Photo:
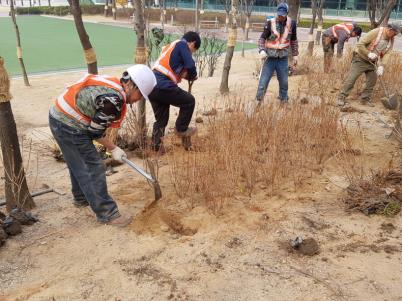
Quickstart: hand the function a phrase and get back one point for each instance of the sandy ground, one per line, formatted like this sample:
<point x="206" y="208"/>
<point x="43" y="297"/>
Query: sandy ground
<point x="239" y="254"/>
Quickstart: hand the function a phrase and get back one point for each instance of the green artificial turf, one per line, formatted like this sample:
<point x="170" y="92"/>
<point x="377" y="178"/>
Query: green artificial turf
<point x="52" y="44"/>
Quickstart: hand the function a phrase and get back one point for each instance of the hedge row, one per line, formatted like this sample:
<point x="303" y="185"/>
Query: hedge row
<point x="181" y="16"/>
<point x="59" y="10"/>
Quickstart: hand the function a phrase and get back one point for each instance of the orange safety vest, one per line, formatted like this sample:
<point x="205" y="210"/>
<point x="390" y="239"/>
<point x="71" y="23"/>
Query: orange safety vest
<point x="162" y="63"/>
<point x="348" y="27"/>
<point x="377" y="40"/>
<point x="67" y="101"/>
<point x="281" y="42"/>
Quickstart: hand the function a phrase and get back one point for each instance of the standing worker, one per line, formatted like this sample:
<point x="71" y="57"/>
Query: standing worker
<point x="174" y="64"/>
<point x="337" y="34"/>
<point x="82" y="114"/>
<point x="278" y="36"/>
<point x="369" y="57"/>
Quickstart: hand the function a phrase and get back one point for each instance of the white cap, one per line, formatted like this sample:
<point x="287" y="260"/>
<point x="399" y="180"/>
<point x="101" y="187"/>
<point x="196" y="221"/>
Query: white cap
<point x="143" y="77"/>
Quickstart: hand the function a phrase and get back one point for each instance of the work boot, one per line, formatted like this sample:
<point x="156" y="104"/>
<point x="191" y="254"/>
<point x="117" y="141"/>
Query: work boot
<point x="80" y="203"/>
<point x="366" y="102"/>
<point x="187" y="133"/>
<point x="121" y="221"/>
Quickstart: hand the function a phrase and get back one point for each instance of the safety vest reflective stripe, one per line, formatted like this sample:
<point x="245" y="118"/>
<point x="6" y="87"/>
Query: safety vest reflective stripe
<point x="348" y="27"/>
<point x="64" y="107"/>
<point x="280" y="42"/>
<point x="374" y="44"/>
<point x="162" y="63"/>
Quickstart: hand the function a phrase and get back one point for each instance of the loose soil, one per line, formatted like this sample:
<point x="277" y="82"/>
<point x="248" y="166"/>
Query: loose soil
<point x="178" y="249"/>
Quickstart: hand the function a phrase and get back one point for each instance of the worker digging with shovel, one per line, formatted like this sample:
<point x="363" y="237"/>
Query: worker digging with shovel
<point x="370" y="56"/>
<point x="174" y="64"/>
<point x="81" y="114"/>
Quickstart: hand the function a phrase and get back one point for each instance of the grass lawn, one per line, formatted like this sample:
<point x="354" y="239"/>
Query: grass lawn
<point x="52" y="44"/>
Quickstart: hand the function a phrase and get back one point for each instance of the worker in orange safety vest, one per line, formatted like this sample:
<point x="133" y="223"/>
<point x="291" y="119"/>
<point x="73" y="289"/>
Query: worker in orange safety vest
<point x="81" y="114"/>
<point x="338" y="34"/>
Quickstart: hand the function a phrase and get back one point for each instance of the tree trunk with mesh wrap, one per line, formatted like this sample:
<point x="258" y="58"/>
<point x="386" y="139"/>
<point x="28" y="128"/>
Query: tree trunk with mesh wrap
<point x="19" y="51"/>
<point x="16" y="188"/>
<point x="92" y="65"/>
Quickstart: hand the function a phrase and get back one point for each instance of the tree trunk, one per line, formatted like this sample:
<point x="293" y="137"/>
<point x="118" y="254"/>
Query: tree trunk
<point x="22" y="2"/>
<point x="106" y="8"/>
<point x="114" y="9"/>
<point x="227" y="21"/>
<point x="385" y="7"/>
<point x="19" y="48"/>
<point x="231" y="43"/>
<point x="89" y="52"/>
<point x="247" y="27"/>
<point x="310" y="46"/>
<point x="49" y="2"/>
<point x="320" y="22"/>
<point x="140" y="58"/>
<point x="16" y="188"/>
<point x="197" y="16"/>
<point x="294" y="6"/>
<point x="30" y="3"/>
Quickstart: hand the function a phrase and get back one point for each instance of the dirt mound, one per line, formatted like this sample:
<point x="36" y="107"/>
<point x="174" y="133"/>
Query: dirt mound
<point x="156" y="219"/>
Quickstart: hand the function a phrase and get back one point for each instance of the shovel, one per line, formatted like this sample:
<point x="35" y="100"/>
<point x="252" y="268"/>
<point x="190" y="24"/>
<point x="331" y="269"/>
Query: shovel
<point x="390" y="101"/>
<point x="151" y="178"/>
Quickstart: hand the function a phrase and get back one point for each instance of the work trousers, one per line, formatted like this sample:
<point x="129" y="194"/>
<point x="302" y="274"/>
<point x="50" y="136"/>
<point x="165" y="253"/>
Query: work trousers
<point x="161" y="100"/>
<point x="280" y="65"/>
<point x="87" y="171"/>
<point x="359" y="66"/>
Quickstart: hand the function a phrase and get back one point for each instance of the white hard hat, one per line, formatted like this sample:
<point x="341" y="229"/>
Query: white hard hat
<point x="143" y="77"/>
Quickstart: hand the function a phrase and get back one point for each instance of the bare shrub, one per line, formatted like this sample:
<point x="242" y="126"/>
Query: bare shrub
<point x="209" y="53"/>
<point x="273" y="147"/>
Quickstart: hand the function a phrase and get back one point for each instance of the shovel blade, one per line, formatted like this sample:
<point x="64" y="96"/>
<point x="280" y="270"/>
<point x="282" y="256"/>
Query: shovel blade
<point x="391" y="102"/>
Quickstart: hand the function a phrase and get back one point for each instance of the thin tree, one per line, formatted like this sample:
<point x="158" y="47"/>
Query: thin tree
<point x="320" y="22"/>
<point x="197" y="16"/>
<point x="162" y="13"/>
<point x="226" y="6"/>
<point x="231" y="43"/>
<point x="247" y="8"/>
<point x="16" y="188"/>
<point x="89" y="52"/>
<point x="106" y="8"/>
<point x="310" y="47"/>
<point x="380" y="11"/>
<point x="114" y="12"/>
<point x="48" y="1"/>
<point x="294" y="8"/>
<point x="19" y="48"/>
<point x="140" y="58"/>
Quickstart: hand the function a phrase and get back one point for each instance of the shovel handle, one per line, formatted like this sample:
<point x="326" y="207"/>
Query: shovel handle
<point x="138" y="169"/>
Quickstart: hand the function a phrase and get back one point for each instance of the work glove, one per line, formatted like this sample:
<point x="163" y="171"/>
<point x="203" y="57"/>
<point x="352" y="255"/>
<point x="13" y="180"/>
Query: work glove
<point x="380" y="70"/>
<point x="372" y="56"/>
<point x="262" y="54"/>
<point x="118" y="154"/>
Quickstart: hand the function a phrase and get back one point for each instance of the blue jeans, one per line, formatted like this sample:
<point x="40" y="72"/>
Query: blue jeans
<point x="280" y="65"/>
<point x="87" y="171"/>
